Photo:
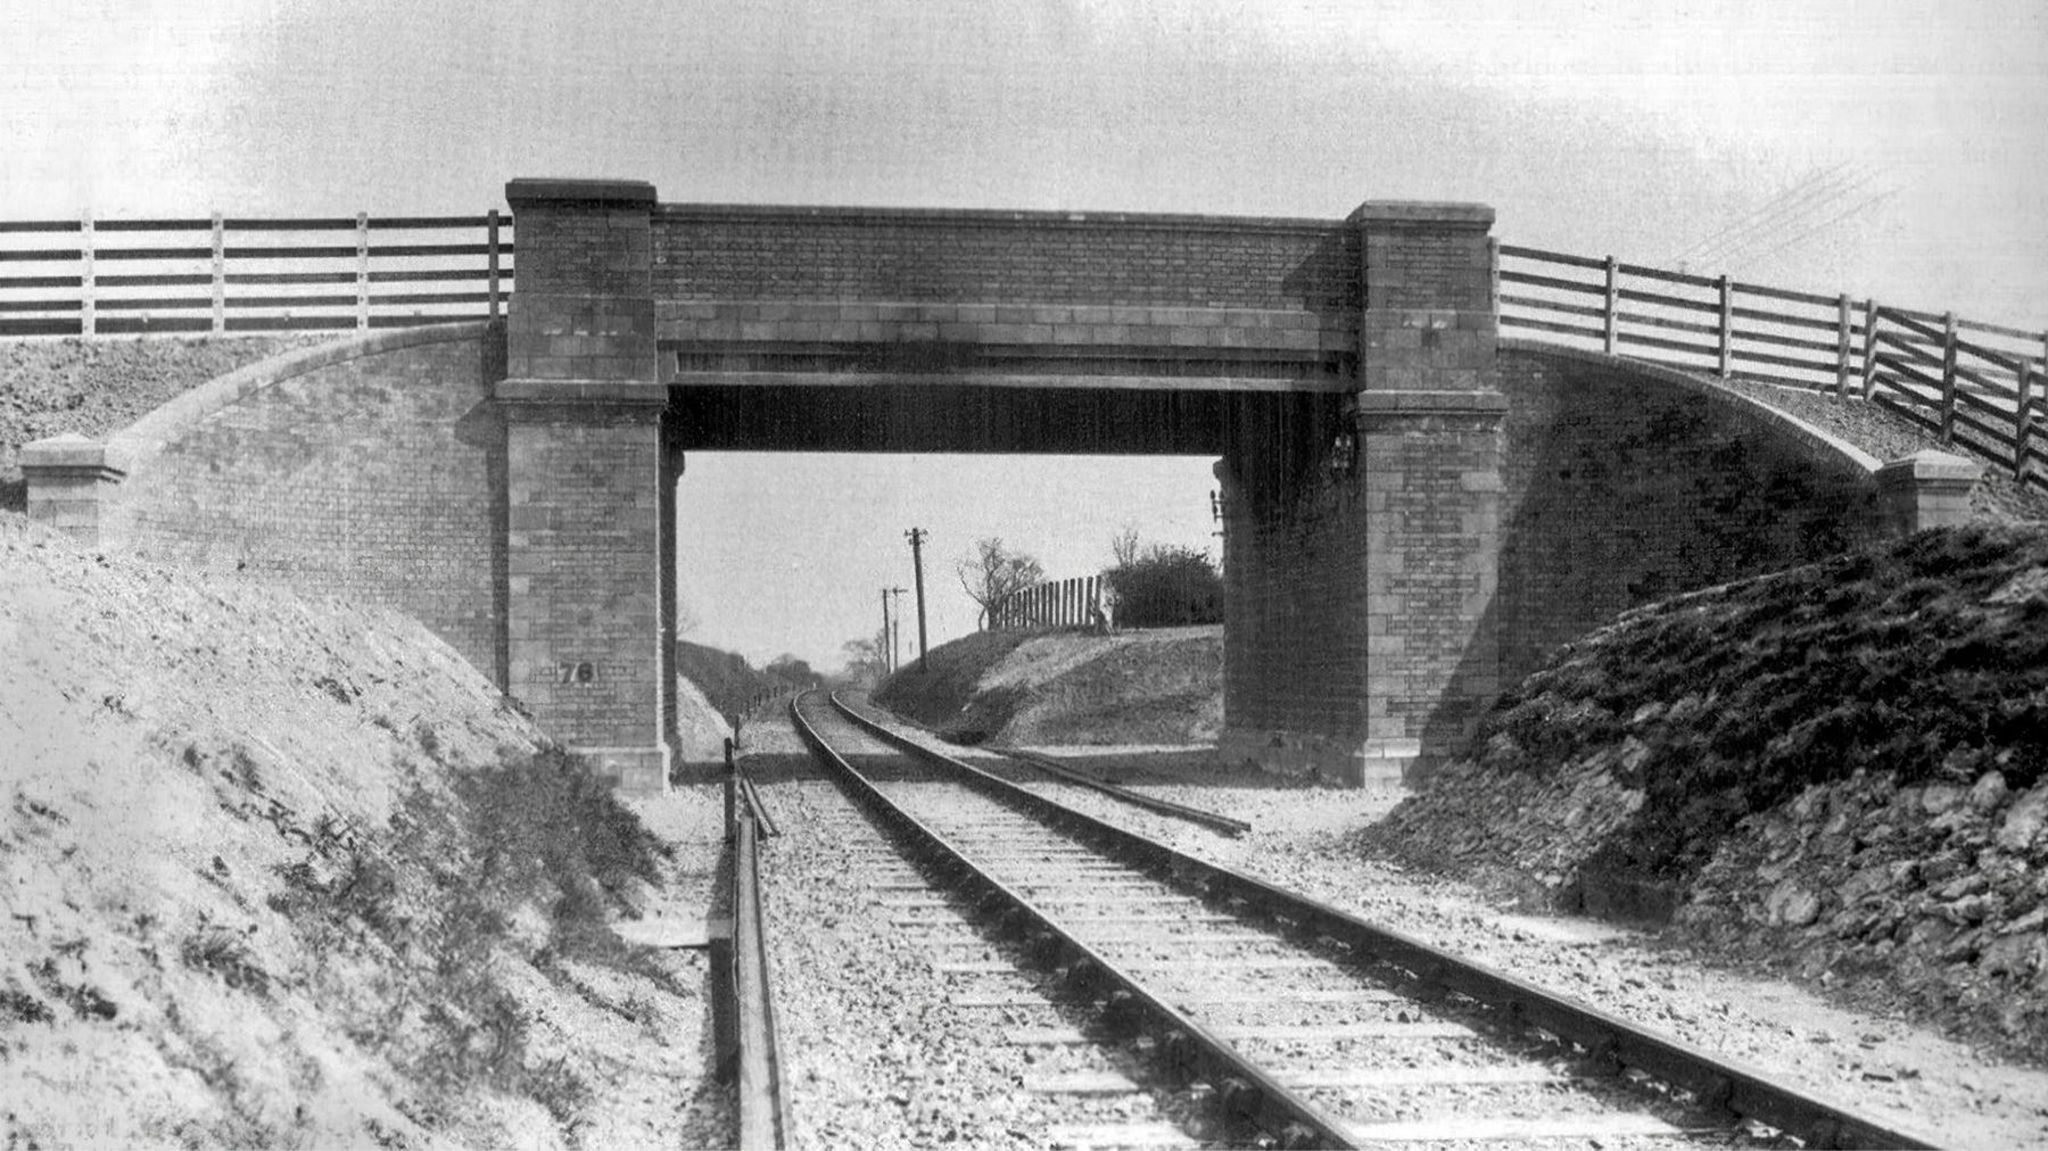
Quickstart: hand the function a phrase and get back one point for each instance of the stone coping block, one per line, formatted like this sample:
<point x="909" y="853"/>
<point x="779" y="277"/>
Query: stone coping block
<point x="1423" y="214"/>
<point x="68" y="452"/>
<point x="1930" y="468"/>
<point x="530" y="190"/>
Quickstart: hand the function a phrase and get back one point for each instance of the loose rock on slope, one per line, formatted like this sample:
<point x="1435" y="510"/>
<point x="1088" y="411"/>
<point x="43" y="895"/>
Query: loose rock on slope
<point x="1841" y="766"/>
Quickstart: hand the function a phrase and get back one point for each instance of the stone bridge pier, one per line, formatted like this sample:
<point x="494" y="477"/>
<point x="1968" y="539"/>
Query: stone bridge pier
<point x="590" y="478"/>
<point x="1361" y="564"/>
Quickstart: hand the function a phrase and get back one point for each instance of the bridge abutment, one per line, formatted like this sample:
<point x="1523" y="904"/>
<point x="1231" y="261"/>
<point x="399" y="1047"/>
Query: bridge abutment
<point x="589" y="478"/>
<point x="1360" y="635"/>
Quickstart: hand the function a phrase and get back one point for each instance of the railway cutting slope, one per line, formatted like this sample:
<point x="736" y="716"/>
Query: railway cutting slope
<point x="1839" y="770"/>
<point x="279" y="872"/>
<point x="1161" y="686"/>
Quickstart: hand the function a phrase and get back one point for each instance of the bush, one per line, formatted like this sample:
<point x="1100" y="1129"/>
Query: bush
<point x="1168" y="586"/>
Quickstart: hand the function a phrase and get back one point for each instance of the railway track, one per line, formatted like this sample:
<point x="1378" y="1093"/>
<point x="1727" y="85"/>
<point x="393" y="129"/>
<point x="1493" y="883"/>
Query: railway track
<point x="1161" y="1001"/>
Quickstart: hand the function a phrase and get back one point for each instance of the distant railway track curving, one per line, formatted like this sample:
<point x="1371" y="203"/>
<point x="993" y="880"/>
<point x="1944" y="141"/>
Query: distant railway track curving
<point x="1255" y="1016"/>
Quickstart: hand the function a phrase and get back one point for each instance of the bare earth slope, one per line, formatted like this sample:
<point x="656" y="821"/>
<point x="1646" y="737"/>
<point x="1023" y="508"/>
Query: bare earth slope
<point x="287" y="873"/>
<point x="1162" y="686"/>
<point x="1843" y="767"/>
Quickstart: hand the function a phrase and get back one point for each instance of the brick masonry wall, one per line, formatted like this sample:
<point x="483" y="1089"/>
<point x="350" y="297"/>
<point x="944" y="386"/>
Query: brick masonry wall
<point x="1622" y="487"/>
<point x="710" y="254"/>
<point x="1074" y="327"/>
<point x="585" y="573"/>
<point x="583" y="309"/>
<point x="1429" y="322"/>
<point x="377" y="478"/>
<point x="1432" y="501"/>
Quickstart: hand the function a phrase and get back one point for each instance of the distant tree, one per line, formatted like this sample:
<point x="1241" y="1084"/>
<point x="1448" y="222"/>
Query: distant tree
<point x="793" y="671"/>
<point x="994" y="573"/>
<point x="867" y="661"/>
<point x="1168" y="586"/>
<point x="1123" y="547"/>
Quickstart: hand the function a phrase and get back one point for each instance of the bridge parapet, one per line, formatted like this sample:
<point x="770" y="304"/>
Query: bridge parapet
<point x="755" y="295"/>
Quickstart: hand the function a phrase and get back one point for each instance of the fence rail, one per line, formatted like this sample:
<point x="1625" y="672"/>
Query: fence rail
<point x="1975" y="385"/>
<point x="92" y="277"/>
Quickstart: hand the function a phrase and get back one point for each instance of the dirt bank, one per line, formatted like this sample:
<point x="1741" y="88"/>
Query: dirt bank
<point x="281" y="873"/>
<point x="1162" y="686"/>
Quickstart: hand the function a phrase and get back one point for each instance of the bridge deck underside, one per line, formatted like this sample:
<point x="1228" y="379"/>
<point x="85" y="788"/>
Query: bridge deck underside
<point x="953" y="416"/>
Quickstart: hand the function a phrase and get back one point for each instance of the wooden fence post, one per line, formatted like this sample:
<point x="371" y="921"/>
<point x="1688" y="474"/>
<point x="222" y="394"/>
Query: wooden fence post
<point x="88" y="318"/>
<point x="362" y="271"/>
<point x="1727" y="328"/>
<point x="220" y="274"/>
<point x="494" y="262"/>
<point x="1948" y="378"/>
<point x="1869" y="346"/>
<point x="2023" y="422"/>
<point x="1611" y="321"/>
<point x="1841" y="346"/>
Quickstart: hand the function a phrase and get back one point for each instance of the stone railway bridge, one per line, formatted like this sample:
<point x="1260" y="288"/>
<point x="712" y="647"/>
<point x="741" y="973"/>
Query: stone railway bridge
<point x="1415" y="509"/>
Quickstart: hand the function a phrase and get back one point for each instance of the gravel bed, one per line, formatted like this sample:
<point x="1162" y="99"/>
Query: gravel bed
<point x="1877" y="1065"/>
<point x="875" y="1054"/>
<point x="1196" y="969"/>
<point x="881" y="1049"/>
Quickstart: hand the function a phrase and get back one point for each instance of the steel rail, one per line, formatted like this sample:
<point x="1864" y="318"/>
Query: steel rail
<point x="1715" y="1081"/>
<point x="762" y="1101"/>
<point x="1189" y="1051"/>
<point x="1210" y="819"/>
<point x="759" y="809"/>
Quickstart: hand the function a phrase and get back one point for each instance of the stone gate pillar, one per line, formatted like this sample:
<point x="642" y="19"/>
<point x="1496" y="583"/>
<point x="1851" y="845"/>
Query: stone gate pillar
<point x="1429" y="414"/>
<point x="585" y="466"/>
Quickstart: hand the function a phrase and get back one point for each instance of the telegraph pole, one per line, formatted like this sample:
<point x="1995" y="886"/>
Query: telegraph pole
<point x="887" y="654"/>
<point x="916" y="536"/>
<point x="897" y="632"/>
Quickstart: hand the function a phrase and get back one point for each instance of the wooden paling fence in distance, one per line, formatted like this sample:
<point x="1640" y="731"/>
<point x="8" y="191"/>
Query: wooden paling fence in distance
<point x="1977" y="386"/>
<point x="1054" y="603"/>
<point x="91" y="277"/>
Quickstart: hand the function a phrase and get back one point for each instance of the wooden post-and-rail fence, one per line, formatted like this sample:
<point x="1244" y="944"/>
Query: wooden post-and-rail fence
<point x="1054" y="603"/>
<point x="1976" y="386"/>
<point x="90" y="277"/>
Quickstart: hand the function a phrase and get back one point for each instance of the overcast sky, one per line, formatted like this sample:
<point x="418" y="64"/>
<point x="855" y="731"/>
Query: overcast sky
<point x="1873" y="147"/>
